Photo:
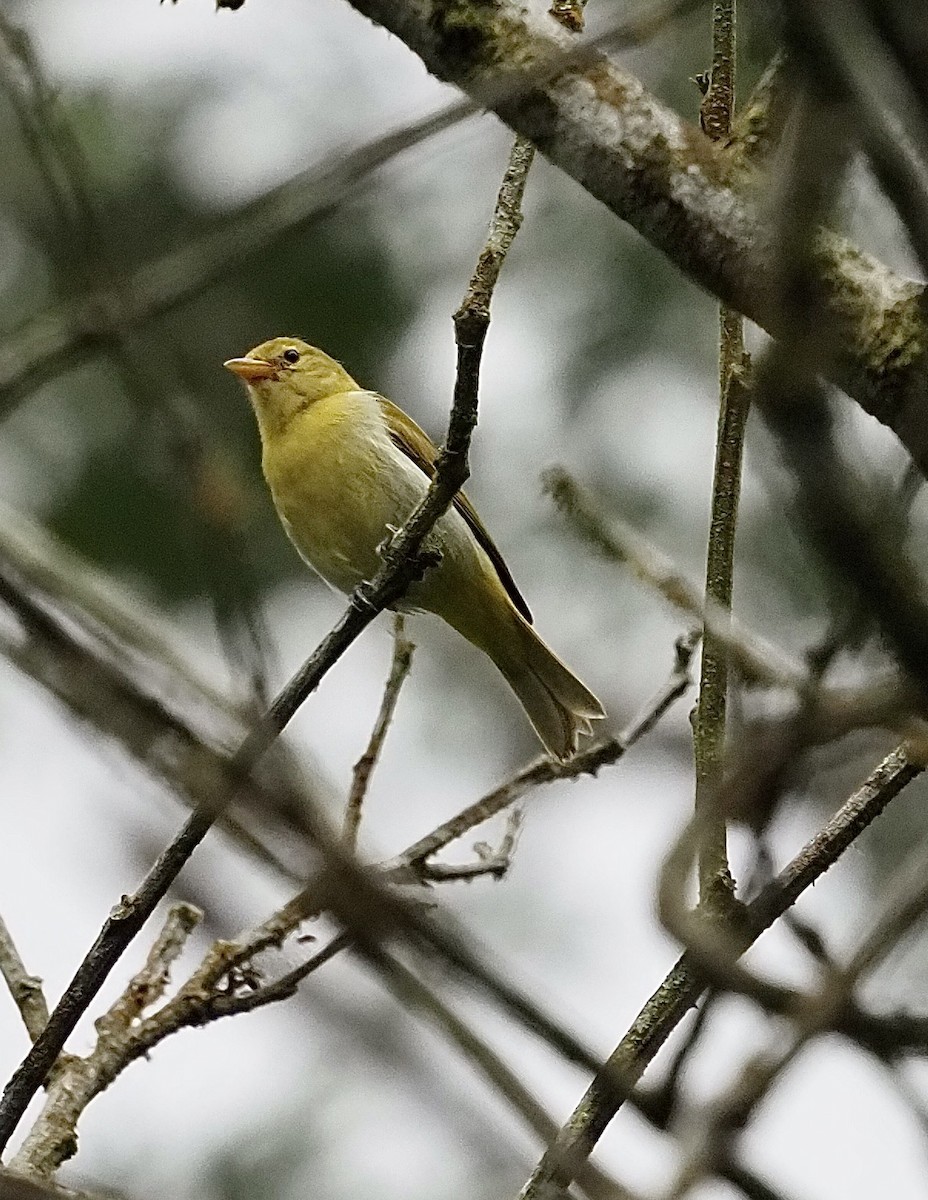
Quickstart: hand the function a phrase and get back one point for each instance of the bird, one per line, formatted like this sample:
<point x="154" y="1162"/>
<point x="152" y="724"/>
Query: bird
<point x="345" y="468"/>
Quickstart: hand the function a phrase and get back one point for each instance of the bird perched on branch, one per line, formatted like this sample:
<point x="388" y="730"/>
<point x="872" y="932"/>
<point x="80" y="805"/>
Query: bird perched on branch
<point x="345" y="466"/>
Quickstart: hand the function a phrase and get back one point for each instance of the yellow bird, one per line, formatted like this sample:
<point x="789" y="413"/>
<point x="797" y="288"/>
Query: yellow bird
<point x="344" y="467"/>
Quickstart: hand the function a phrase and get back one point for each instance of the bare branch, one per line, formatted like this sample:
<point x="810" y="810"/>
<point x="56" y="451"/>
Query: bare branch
<point x="25" y="989"/>
<point x="399" y="669"/>
<point x="685" y="983"/>
<point x="756" y="659"/>
<point x="546" y="770"/>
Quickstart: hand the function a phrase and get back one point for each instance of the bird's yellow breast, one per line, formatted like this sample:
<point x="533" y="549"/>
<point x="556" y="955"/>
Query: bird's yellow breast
<point x="340" y="485"/>
<point x="338" y="482"/>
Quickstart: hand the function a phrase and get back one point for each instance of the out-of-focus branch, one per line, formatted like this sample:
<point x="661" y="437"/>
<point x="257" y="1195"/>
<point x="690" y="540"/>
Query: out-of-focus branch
<point x="816" y="1014"/>
<point x="601" y="126"/>
<point x="45" y="346"/>
<point x="228" y="982"/>
<point x="25" y="989"/>
<point x="17" y="1187"/>
<point x="886" y="701"/>
<point x="756" y="659"/>
<point x="685" y="983"/>
<point x="429" y="1006"/>
<point x="834" y="38"/>
<point x="105" y="656"/>
<point x="758" y="124"/>
<point x="80" y="250"/>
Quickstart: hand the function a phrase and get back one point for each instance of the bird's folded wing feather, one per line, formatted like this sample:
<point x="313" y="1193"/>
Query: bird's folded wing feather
<point x="416" y="444"/>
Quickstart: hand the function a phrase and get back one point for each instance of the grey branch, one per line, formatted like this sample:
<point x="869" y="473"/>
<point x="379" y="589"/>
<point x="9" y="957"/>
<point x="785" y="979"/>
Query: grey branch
<point x="25" y="989"/>
<point x="363" y="768"/>
<point x="405" y="558"/>
<point x="684" y="984"/>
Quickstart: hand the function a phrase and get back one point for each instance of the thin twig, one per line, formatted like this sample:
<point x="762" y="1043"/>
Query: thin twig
<point x="363" y="768"/>
<point x="25" y="989"/>
<point x="488" y="861"/>
<point x="755" y="659"/>
<point x="716" y="886"/>
<point x="546" y="770"/>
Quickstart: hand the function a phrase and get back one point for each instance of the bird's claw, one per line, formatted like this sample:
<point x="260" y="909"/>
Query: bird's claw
<point x="387" y="542"/>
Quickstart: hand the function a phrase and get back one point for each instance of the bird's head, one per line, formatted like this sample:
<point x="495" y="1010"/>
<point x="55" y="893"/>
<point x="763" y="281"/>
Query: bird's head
<point x="284" y="376"/>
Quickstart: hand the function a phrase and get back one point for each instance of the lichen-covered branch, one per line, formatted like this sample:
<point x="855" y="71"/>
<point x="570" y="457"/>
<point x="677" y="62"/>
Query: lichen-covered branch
<point x="662" y="175"/>
<point x="363" y="768"/>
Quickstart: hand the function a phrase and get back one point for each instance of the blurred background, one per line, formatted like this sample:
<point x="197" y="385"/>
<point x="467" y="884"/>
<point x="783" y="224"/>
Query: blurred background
<point x="142" y="459"/>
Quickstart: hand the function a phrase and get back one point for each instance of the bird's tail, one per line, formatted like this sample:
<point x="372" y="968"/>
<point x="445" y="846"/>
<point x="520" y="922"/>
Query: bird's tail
<point x="558" y="705"/>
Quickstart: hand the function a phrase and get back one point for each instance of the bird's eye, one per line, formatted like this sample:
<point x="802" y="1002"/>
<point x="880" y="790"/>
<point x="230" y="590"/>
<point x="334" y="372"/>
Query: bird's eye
<point x="292" y="355"/>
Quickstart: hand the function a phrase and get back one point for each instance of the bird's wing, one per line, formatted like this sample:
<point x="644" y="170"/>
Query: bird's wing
<point x="416" y="444"/>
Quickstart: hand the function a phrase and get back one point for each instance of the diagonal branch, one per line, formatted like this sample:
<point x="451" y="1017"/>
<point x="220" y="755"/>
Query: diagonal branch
<point x="25" y="989"/>
<point x="663" y="176"/>
<point x="404" y="559"/>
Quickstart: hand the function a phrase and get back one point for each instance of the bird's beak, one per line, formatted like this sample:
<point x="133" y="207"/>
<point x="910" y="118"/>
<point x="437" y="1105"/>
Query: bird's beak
<point x="250" y="369"/>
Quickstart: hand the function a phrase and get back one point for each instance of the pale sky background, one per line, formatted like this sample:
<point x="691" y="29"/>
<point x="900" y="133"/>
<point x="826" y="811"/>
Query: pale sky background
<point x="388" y="1109"/>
